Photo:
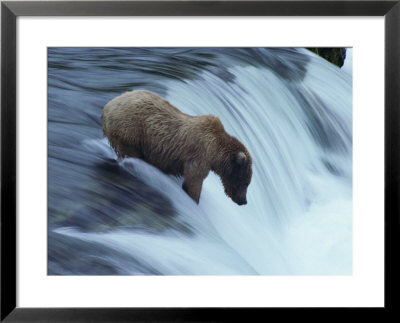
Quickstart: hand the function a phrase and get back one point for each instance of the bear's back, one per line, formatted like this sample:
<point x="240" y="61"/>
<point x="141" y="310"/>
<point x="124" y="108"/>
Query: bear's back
<point x="140" y="104"/>
<point x="141" y="111"/>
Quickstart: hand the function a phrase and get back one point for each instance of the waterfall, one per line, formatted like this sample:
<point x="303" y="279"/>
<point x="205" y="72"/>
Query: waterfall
<point x="289" y="107"/>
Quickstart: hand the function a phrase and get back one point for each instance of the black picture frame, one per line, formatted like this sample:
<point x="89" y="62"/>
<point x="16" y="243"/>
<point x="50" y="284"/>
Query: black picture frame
<point x="10" y="10"/>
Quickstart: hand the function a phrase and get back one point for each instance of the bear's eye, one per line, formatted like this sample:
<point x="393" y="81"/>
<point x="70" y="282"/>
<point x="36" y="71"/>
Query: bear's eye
<point x="244" y="185"/>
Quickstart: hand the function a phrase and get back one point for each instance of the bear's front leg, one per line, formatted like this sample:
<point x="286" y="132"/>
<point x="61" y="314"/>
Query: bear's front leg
<point x="193" y="182"/>
<point x="193" y="188"/>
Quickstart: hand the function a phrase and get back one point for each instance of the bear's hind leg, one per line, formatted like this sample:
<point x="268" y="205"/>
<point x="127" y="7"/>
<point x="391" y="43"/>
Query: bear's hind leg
<point x="124" y="150"/>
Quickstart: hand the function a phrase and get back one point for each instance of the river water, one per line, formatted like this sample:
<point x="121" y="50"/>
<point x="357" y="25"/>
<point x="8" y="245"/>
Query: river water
<point x="292" y="110"/>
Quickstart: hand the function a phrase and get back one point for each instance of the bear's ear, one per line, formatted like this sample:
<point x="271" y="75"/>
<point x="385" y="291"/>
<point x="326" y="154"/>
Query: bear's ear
<point x="241" y="158"/>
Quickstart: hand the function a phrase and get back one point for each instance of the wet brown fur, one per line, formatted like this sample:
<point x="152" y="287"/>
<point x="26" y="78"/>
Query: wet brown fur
<point x="143" y="125"/>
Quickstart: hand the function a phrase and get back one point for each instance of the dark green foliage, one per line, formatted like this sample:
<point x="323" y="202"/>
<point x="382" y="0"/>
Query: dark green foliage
<point x="334" y="55"/>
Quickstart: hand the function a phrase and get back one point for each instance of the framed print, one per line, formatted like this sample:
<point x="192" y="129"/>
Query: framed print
<point x="197" y="161"/>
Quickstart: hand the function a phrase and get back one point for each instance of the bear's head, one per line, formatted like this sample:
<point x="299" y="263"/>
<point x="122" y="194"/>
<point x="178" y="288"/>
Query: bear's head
<point x="237" y="176"/>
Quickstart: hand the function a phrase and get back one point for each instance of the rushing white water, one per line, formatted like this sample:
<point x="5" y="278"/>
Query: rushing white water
<point x="298" y="220"/>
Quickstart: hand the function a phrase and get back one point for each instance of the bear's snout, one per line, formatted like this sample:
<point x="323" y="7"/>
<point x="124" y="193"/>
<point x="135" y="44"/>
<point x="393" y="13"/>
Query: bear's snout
<point x="240" y="201"/>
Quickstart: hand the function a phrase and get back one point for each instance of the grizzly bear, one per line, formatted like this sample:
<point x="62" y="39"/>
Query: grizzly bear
<point x="143" y="125"/>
